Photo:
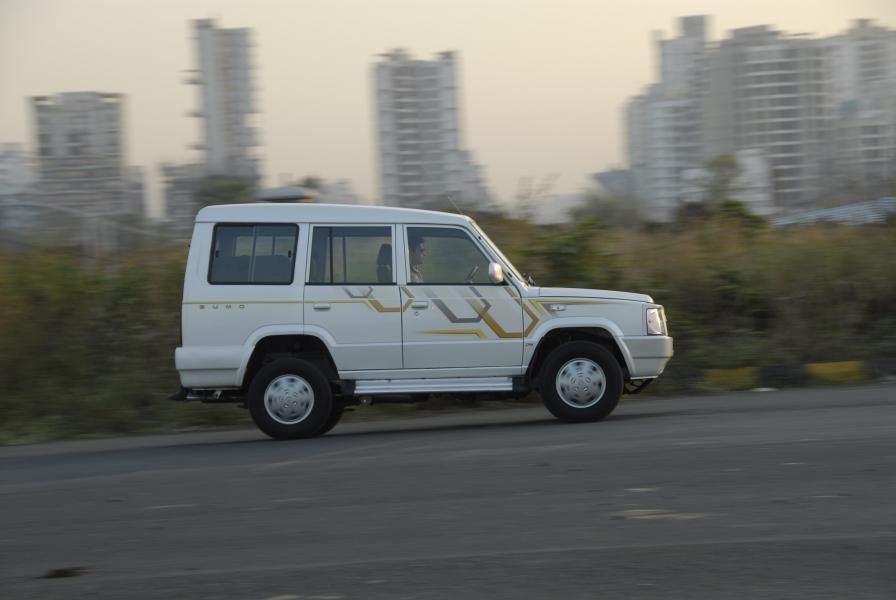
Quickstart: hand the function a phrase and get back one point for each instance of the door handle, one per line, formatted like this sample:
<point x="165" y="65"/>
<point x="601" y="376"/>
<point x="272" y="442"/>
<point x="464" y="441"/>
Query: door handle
<point x="420" y="304"/>
<point x="321" y="307"/>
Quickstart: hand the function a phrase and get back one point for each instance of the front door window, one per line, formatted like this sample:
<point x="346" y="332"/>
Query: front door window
<point x="444" y="256"/>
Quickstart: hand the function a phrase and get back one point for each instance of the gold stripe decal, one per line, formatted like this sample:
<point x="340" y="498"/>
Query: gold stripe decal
<point x="378" y="307"/>
<point x="534" y="320"/>
<point x="571" y="301"/>
<point x="371" y="302"/>
<point x="410" y="298"/>
<point x="477" y="332"/>
<point x="482" y="311"/>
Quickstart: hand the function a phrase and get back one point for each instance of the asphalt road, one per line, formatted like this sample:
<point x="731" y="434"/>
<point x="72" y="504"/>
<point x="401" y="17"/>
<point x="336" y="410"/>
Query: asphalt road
<point x="754" y="495"/>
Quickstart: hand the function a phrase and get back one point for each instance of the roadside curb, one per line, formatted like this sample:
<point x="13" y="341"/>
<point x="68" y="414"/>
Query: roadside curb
<point x="816" y="373"/>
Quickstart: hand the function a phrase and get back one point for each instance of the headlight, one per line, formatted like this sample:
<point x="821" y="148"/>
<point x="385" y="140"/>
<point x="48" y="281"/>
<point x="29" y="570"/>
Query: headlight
<point x="656" y="321"/>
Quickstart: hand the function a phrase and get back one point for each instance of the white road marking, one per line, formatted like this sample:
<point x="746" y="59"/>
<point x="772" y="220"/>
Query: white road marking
<point x="360" y="451"/>
<point x="641" y="490"/>
<point x="793" y="464"/>
<point x="652" y="514"/>
<point x="169" y="506"/>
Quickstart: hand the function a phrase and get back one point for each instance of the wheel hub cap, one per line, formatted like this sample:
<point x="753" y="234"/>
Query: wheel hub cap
<point x="581" y="383"/>
<point x="289" y="399"/>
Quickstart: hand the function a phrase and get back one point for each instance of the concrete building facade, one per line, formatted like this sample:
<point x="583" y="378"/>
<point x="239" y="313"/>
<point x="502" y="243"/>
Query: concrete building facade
<point x="80" y="144"/>
<point x="226" y="100"/>
<point x="81" y="175"/>
<point x="422" y="161"/>
<point x="863" y="61"/>
<point x="180" y="188"/>
<point x="663" y="124"/>
<point x="16" y="169"/>
<point x="821" y="112"/>
<point x="16" y="186"/>
<point x="782" y="106"/>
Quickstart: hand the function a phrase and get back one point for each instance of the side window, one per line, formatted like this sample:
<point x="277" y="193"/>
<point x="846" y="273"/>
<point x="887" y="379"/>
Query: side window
<point x="355" y="255"/>
<point x="253" y="254"/>
<point x="444" y="255"/>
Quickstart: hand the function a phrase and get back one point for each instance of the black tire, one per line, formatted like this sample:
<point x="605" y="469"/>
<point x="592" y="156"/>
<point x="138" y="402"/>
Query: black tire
<point x="335" y="416"/>
<point x="279" y="399"/>
<point x="592" y="380"/>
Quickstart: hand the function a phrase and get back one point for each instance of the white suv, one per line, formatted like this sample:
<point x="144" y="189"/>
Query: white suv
<point x="297" y="310"/>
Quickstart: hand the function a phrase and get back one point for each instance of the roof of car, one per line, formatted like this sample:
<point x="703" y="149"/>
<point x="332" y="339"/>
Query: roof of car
<point x="322" y="213"/>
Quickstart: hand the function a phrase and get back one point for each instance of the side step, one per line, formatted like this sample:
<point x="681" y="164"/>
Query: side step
<point x="372" y="387"/>
<point x="209" y="396"/>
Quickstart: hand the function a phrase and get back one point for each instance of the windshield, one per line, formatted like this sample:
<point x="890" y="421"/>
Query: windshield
<point x="494" y="248"/>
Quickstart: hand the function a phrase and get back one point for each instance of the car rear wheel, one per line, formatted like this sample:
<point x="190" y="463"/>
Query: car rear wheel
<point x="290" y="398"/>
<point x="581" y="382"/>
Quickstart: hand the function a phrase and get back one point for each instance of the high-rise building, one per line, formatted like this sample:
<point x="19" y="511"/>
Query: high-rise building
<point x="16" y="173"/>
<point x="79" y="139"/>
<point x="135" y="191"/>
<point x="863" y="63"/>
<point x="224" y="77"/>
<point x="758" y="90"/>
<point x="663" y="131"/>
<point x="782" y="106"/>
<point x="180" y="186"/>
<point x="422" y="161"/>
<point x="16" y="182"/>
<point x="80" y="144"/>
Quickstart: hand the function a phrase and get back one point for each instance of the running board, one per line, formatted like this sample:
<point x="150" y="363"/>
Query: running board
<point x="370" y="387"/>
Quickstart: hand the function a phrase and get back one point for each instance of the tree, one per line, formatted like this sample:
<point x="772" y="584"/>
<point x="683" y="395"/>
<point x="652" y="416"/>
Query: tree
<point x="611" y="210"/>
<point x="735" y="211"/>
<point x="723" y="171"/>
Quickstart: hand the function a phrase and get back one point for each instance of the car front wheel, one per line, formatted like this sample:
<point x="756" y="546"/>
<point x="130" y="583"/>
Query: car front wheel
<point x="581" y="382"/>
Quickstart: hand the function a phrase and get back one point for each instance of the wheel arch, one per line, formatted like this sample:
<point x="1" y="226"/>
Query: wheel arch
<point x="281" y="345"/>
<point x="557" y="337"/>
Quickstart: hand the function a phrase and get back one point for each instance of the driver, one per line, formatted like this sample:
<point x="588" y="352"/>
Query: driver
<point x="418" y="254"/>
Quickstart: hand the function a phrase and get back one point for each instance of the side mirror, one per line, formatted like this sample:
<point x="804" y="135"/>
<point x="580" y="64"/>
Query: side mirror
<point x="495" y="273"/>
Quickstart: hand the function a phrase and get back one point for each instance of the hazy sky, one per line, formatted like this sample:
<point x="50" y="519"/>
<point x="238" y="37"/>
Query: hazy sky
<point x="543" y="82"/>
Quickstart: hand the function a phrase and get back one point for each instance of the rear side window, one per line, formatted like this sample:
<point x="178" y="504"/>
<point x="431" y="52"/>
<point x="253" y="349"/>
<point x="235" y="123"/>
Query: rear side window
<point x="253" y="254"/>
<point x="355" y="255"/>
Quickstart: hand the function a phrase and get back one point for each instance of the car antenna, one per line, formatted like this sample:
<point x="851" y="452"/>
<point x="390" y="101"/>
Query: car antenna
<point x="451" y="200"/>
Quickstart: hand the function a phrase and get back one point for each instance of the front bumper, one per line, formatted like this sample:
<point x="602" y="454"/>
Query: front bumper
<point x="649" y="354"/>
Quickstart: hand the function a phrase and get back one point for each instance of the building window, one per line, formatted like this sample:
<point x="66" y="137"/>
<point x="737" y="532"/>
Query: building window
<point x="253" y="254"/>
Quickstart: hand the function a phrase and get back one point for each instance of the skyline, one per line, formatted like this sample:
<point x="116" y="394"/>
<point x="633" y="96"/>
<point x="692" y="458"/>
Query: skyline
<point x="556" y="73"/>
